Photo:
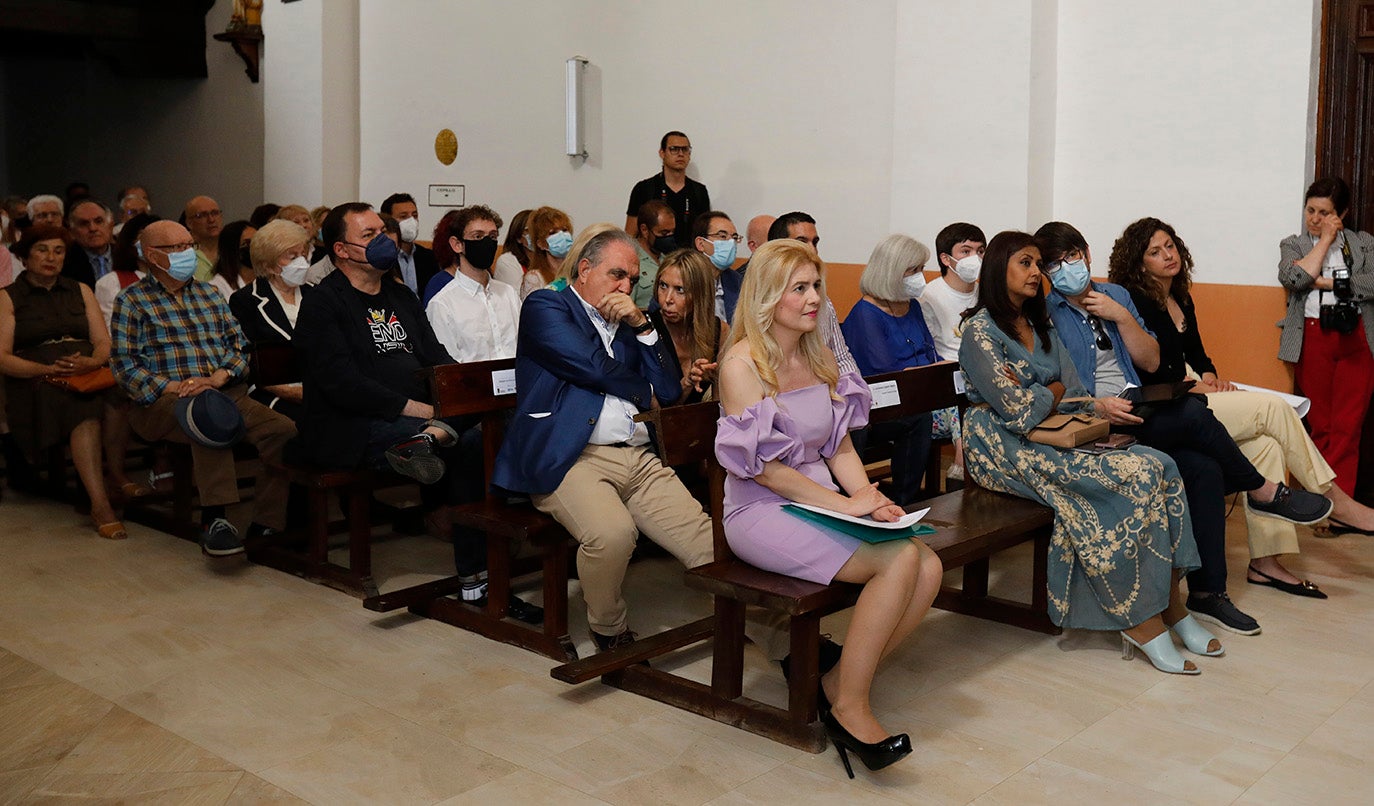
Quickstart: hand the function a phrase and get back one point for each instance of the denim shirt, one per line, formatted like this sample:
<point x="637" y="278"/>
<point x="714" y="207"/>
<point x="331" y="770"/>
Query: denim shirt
<point x="1080" y="341"/>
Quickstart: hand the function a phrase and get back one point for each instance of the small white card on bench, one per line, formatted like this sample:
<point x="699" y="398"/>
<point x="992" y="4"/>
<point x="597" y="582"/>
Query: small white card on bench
<point x="503" y="382"/>
<point x="884" y="394"/>
<point x="959" y="386"/>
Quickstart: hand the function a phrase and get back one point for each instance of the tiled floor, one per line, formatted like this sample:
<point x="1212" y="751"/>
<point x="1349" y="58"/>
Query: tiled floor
<point x="138" y="671"/>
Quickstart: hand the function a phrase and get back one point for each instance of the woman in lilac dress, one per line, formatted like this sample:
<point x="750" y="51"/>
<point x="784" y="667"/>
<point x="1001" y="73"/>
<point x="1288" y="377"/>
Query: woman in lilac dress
<point x="784" y="437"/>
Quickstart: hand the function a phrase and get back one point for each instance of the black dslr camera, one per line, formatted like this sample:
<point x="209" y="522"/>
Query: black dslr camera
<point x="1343" y="315"/>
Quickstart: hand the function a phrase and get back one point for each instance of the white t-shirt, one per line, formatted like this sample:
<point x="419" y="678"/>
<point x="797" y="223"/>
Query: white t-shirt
<point x="106" y="289"/>
<point x="1334" y="260"/>
<point x="942" y="307"/>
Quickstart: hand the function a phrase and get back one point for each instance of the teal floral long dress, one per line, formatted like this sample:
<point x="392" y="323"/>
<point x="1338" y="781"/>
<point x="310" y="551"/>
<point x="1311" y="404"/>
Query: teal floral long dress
<point x="1120" y="519"/>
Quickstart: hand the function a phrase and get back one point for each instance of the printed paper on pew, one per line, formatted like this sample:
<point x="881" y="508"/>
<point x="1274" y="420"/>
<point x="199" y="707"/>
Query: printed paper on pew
<point x="503" y="382"/>
<point x="901" y="523"/>
<point x="884" y="394"/>
<point x="1299" y="404"/>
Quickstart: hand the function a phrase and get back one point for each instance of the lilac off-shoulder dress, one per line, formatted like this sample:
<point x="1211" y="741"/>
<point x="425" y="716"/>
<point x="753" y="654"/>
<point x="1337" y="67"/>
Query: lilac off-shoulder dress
<point x="801" y="428"/>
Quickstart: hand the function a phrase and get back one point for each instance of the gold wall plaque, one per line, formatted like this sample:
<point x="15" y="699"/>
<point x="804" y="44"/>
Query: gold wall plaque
<point x="446" y="146"/>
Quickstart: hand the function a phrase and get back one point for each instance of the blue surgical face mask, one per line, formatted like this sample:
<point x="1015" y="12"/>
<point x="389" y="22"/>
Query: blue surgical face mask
<point x="723" y="253"/>
<point x="1071" y="278"/>
<point x="180" y="265"/>
<point x="382" y="253"/>
<point x="560" y="243"/>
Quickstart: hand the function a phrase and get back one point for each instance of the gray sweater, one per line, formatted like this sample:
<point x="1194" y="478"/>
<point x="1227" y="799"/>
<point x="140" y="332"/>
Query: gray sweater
<point x="1299" y="285"/>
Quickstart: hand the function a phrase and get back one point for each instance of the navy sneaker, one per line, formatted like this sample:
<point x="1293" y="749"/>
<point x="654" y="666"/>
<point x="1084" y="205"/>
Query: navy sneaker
<point x="1295" y="506"/>
<point x="220" y="539"/>
<point x="414" y="458"/>
<point x="1218" y="609"/>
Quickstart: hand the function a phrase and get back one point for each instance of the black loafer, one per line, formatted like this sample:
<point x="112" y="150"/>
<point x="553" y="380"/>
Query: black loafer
<point x="1303" y="588"/>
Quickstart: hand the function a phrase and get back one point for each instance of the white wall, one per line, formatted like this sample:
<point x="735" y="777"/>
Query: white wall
<point x="900" y="115"/>
<point x="1194" y="113"/>
<point x="72" y="119"/>
<point x="789" y="105"/>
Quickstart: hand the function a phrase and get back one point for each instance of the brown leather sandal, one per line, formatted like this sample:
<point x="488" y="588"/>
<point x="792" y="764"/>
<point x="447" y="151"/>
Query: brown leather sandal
<point x="113" y="530"/>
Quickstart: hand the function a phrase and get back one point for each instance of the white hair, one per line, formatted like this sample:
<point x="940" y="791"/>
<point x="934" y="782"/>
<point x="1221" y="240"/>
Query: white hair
<point x="46" y="198"/>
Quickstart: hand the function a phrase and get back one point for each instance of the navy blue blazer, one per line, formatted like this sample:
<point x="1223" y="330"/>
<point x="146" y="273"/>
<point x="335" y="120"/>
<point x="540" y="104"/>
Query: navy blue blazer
<point x="562" y="375"/>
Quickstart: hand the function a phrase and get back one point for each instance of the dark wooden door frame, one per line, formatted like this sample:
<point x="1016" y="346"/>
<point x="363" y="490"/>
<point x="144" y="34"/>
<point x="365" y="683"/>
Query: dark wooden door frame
<point x="1345" y="106"/>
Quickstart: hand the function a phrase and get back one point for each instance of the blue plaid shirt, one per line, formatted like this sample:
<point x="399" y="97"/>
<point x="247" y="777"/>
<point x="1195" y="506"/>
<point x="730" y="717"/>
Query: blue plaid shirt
<point x="159" y="337"/>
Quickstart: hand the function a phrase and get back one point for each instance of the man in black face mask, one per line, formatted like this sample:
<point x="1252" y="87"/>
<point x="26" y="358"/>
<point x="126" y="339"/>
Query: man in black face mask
<point x="361" y="337"/>
<point x="655" y="236"/>
<point x="475" y="317"/>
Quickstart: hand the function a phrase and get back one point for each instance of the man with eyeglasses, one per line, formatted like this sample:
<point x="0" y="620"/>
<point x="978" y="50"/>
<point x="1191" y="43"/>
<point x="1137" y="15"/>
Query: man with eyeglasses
<point x="91" y="224"/>
<point x="688" y="197"/>
<point x="173" y="337"/>
<point x="204" y="219"/>
<point x="656" y="235"/>
<point x="714" y="236"/>
<point x="46" y="209"/>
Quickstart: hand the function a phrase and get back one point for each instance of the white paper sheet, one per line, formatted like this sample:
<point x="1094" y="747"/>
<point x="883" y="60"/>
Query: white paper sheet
<point x="1299" y="404"/>
<point x="902" y="523"/>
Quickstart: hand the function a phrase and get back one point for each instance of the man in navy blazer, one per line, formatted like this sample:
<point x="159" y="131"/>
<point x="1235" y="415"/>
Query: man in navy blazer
<point x="587" y="361"/>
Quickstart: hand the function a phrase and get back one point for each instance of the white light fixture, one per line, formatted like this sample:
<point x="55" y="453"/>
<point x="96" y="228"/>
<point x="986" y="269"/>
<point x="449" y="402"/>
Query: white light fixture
<point x="572" y="94"/>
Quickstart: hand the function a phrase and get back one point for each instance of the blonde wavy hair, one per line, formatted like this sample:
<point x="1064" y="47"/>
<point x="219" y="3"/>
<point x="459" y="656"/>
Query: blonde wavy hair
<point x="770" y="273"/>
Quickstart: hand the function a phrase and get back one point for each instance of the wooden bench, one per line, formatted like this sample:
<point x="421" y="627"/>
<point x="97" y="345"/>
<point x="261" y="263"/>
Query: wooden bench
<point x="468" y="389"/>
<point x="973" y="524"/>
<point x="275" y="364"/>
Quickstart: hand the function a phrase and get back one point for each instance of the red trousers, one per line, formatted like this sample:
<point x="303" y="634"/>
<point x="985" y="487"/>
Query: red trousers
<point x="1336" y="371"/>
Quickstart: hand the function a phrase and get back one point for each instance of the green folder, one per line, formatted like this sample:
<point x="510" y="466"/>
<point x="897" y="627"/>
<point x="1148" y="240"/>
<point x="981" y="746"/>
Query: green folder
<point x="868" y="534"/>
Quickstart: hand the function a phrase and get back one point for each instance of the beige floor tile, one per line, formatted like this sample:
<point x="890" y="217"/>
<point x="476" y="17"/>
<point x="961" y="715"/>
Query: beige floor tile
<point x="172" y="788"/>
<point x="15" y="785"/>
<point x="407" y="764"/>
<point x="945" y="766"/>
<point x="1046" y="783"/>
<point x="1148" y="746"/>
<point x="653" y="761"/>
<point x="16" y="672"/>
<point x="253" y="715"/>
<point x="532" y="720"/>
<point x="41" y="724"/>
<point x="520" y="787"/>
<point x="1215" y="702"/>
<point x="799" y="787"/>
<point x="991" y="704"/>
<point x="122" y="742"/>
<point x="253" y="791"/>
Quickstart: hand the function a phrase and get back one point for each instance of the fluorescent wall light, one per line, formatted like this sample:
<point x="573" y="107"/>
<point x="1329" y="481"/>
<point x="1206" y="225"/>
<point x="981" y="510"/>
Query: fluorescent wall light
<point x="574" y="145"/>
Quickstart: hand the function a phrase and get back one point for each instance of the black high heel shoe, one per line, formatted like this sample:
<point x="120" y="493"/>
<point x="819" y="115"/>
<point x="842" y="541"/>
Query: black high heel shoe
<point x="875" y="756"/>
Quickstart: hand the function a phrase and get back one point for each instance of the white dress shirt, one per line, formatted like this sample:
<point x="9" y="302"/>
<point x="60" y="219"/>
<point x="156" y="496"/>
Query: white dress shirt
<point x="617" y="421"/>
<point x="475" y="322"/>
<point x="106" y="289"/>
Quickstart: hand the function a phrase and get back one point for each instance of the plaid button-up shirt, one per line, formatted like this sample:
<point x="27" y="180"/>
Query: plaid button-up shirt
<point x="159" y="337"/>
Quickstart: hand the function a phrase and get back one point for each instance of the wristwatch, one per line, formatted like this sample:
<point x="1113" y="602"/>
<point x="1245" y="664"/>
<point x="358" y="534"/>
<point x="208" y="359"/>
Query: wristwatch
<point x="647" y="325"/>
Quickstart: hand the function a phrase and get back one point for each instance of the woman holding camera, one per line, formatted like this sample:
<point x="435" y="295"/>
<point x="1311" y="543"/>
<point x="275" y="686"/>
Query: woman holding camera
<point x="1329" y="334"/>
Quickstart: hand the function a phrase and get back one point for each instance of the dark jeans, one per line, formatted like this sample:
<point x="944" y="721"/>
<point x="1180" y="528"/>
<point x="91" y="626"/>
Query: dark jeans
<point x="910" y="438"/>
<point x="463" y="480"/>
<point x="1212" y="468"/>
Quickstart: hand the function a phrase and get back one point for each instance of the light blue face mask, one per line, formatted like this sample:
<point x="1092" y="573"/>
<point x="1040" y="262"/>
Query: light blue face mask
<point x="180" y="265"/>
<point x="1071" y="278"/>
<point x="723" y="253"/>
<point x="559" y="243"/>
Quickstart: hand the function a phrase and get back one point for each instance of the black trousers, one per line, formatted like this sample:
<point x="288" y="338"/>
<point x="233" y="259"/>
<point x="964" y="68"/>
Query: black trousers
<point x="910" y="438"/>
<point x="1212" y="468"/>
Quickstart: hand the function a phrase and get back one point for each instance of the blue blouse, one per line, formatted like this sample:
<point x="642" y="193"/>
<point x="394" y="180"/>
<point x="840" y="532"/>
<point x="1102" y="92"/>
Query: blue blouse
<point x="883" y="343"/>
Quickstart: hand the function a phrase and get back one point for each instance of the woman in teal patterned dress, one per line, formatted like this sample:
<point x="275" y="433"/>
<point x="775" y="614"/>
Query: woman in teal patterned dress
<point x="1121" y="536"/>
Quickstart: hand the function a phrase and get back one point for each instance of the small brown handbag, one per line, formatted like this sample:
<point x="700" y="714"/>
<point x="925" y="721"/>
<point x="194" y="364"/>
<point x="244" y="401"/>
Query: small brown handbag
<point x="1069" y="430"/>
<point x="97" y="380"/>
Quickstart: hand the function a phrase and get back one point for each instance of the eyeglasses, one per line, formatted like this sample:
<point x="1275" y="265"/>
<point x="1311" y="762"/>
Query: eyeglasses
<point x="679" y="149"/>
<point x="1104" y="342"/>
<point x="174" y="247"/>
<point x="206" y="214"/>
<point x="1069" y="257"/>
<point x="481" y="236"/>
<point x="722" y="235"/>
